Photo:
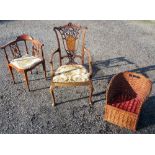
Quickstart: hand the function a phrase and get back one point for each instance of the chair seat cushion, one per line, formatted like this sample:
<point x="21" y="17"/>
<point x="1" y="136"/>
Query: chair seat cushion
<point x="25" y="62"/>
<point x="71" y="73"/>
<point x="131" y="105"/>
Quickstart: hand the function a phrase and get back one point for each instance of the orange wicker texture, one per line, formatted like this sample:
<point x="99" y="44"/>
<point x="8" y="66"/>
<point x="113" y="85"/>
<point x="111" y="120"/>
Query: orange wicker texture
<point x="125" y="96"/>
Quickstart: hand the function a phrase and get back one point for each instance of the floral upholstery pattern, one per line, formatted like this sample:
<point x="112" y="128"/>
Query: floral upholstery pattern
<point x="71" y="73"/>
<point x="25" y="62"/>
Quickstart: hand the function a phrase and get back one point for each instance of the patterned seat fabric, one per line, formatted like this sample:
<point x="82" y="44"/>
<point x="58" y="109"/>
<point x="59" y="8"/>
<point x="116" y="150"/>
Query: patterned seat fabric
<point x="71" y="73"/>
<point x="25" y="62"/>
<point x="131" y="105"/>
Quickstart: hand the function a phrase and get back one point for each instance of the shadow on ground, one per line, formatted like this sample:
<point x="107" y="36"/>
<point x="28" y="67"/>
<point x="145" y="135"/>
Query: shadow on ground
<point x="85" y="97"/>
<point x="144" y="70"/>
<point x="116" y="62"/>
<point x="5" y="21"/>
<point x="147" y="116"/>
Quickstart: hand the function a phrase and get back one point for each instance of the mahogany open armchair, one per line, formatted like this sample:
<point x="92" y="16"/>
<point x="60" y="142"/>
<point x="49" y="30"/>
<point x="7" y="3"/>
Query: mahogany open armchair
<point x="72" y="73"/>
<point x="18" y="55"/>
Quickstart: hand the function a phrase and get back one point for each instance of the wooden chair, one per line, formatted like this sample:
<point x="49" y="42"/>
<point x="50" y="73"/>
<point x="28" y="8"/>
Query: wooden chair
<point x="72" y="73"/>
<point x="20" y="58"/>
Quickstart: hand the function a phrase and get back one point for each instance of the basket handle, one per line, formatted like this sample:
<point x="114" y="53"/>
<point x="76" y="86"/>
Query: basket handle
<point x="134" y="76"/>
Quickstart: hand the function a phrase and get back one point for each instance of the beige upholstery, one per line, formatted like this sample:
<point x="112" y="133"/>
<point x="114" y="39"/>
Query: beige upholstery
<point x="25" y="62"/>
<point x="71" y="73"/>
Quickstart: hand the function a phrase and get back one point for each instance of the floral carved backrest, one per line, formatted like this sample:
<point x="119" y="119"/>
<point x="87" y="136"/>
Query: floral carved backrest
<point x="70" y="35"/>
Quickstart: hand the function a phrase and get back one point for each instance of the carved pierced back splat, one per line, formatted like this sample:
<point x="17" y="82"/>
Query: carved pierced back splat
<point x="15" y="50"/>
<point x="36" y="45"/>
<point x="37" y="49"/>
<point x="70" y="35"/>
<point x="25" y="38"/>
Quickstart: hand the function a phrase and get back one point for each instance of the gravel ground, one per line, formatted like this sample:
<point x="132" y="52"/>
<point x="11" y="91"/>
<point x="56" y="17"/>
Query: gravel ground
<point x="115" y="46"/>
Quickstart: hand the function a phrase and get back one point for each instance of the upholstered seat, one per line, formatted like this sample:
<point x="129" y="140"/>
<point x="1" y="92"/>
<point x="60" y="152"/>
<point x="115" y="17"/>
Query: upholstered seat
<point x="25" y="62"/>
<point x="71" y="73"/>
<point x="130" y="105"/>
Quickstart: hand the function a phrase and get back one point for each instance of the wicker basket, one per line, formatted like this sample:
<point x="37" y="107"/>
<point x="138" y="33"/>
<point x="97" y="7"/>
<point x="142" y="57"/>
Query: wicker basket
<point x="125" y="96"/>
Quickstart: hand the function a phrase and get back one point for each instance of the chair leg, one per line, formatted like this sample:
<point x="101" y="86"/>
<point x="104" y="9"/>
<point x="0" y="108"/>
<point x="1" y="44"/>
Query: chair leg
<point x="10" y="69"/>
<point x="44" y="69"/>
<point x="26" y="80"/>
<point x="36" y="70"/>
<point x="52" y="95"/>
<point x="91" y="92"/>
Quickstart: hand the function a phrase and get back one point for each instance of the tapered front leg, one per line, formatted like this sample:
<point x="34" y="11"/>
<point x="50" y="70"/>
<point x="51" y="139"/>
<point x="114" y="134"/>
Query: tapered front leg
<point x="26" y="80"/>
<point x="11" y="71"/>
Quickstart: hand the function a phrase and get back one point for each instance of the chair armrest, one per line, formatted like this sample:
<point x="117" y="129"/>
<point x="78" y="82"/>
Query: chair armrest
<point x="51" y="61"/>
<point x="89" y="61"/>
<point x="4" y="46"/>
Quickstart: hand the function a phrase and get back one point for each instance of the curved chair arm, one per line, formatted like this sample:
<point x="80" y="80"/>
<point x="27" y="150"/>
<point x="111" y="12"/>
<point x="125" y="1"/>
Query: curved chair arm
<point x="5" y="52"/>
<point x="4" y="46"/>
<point x="51" y="61"/>
<point x="89" y="61"/>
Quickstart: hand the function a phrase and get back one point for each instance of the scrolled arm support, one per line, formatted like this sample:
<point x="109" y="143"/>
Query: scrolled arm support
<point x="52" y="57"/>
